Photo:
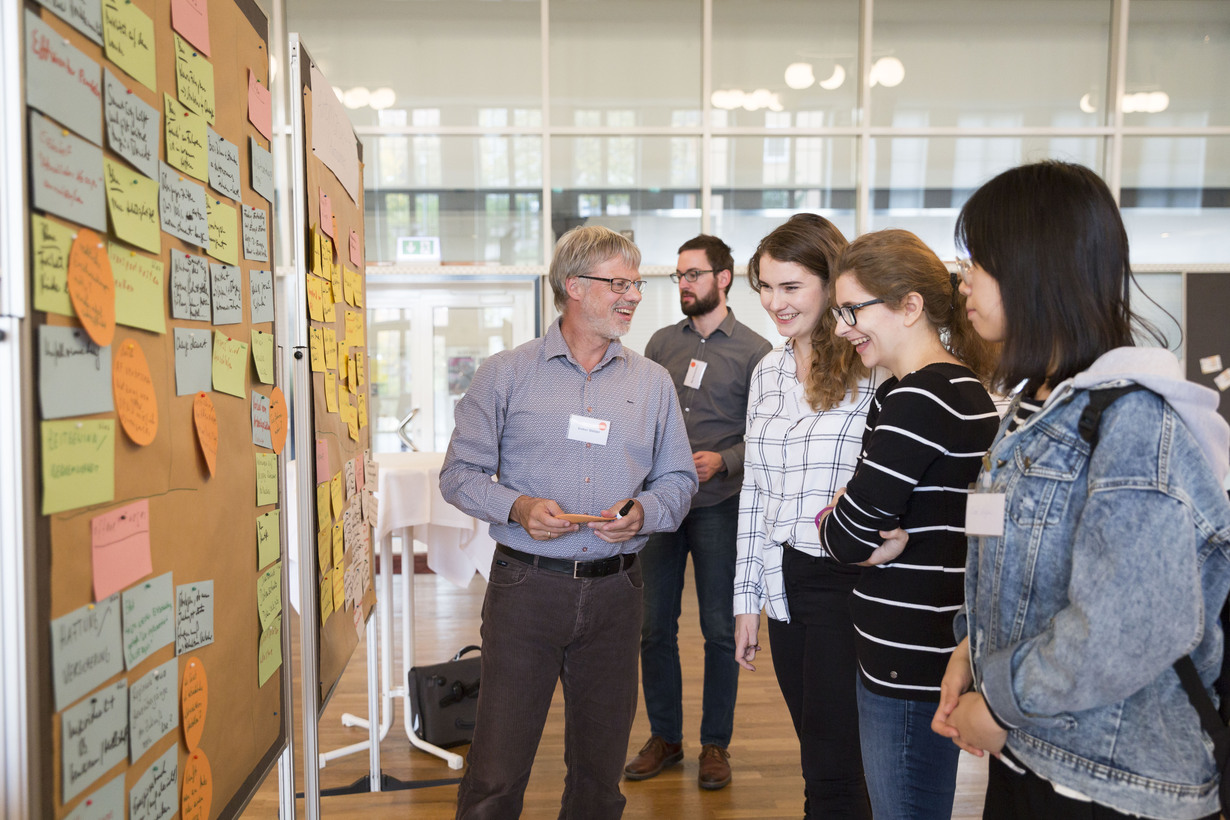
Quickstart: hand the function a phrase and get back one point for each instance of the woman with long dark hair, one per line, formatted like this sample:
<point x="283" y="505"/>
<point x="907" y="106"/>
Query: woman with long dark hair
<point x="1099" y="526"/>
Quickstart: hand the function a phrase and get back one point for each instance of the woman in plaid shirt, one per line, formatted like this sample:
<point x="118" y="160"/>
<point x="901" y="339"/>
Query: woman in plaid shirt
<point x="807" y="407"/>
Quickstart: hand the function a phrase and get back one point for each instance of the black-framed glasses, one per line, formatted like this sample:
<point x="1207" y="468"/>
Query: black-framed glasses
<point x="848" y="313"/>
<point x="691" y="275"/>
<point x="618" y="285"/>
<point x="965" y="269"/>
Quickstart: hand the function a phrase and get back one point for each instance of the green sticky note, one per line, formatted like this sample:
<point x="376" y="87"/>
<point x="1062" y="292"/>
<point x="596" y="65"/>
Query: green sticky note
<point x="140" y="289"/>
<point x="223" y="231"/>
<point x="230" y="364"/>
<point x="50" y="243"/>
<point x="132" y="202"/>
<point x="262" y="355"/>
<point x="78" y="463"/>
<point x="266" y="479"/>
<point x="269" y="594"/>
<point x="268" y="538"/>
<point x="269" y="652"/>
<point x="128" y="34"/>
<point x="187" y="140"/>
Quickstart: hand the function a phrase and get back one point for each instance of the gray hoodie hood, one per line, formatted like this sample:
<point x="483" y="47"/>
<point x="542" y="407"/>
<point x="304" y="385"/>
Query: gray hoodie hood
<point x="1158" y="370"/>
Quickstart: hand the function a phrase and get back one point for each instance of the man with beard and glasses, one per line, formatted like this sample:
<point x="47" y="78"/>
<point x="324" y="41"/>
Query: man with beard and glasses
<point x="710" y="357"/>
<point x="572" y="423"/>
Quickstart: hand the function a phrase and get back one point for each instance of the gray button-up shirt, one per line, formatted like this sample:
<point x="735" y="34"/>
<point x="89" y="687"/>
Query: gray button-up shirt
<point x="716" y="412"/>
<point x="513" y="423"/>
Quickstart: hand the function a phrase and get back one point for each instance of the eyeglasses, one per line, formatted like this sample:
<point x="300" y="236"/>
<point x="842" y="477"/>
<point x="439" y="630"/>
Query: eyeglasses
<point x="690" y="275"/>
<point x="846" y="313"/>
<point x="965" y="269"/>
<point x="618" y="285"/>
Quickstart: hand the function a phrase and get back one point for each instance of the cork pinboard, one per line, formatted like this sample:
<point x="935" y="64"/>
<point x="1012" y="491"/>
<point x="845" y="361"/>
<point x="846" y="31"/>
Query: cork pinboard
<point x="335" y="291"/>
<point x="1206" y="311"/>
<point x="161" y="575"/>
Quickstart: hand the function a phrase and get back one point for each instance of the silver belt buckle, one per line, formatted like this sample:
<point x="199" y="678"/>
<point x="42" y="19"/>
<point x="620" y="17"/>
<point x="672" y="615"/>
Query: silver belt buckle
<point x="575" y="566"/>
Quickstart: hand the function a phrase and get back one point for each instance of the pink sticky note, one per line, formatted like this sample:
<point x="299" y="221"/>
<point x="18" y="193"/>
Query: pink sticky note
<point x="120" y="553"/>
<point x="358" y="474"/>
<point x="323" y="471"/>
<point x="326" y="215"/>
<point x="260" y="106"/>
<point x="191" y="19"/>
<point x="356" y="252"/>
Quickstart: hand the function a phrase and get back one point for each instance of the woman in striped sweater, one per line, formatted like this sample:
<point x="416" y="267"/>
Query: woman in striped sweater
<point x="927" y="430"/>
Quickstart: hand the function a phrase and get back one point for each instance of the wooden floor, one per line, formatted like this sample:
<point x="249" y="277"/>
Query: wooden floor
<point x="764" y="752"/>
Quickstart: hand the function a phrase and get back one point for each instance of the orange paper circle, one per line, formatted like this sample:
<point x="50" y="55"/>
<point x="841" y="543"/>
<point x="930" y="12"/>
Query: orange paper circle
<point x="135" y="401"/>
<point x="198" y="787"/>
<point x="277" y="419"/>
<point x="194" y="700"/>
<point x="206" y="419"/>
<point x="91" y="286"/>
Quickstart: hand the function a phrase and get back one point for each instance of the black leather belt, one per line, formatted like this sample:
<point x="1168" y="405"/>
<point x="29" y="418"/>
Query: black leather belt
<point x="577" y="569"/>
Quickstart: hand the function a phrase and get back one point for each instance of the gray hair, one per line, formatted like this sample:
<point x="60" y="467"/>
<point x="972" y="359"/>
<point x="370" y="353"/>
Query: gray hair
<point x="581" y="250"/>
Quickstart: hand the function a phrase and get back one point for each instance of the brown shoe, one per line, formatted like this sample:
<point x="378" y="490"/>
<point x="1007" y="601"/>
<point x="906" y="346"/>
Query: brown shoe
<point x="714" y="770"/>
<point x="653" y="757"/>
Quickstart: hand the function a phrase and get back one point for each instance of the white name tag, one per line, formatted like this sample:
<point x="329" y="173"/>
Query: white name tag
<point x="796" y="403"/>
<point x="984" y="514"/>
<point x="590" y="430"/>
<point x="696" y="372"/>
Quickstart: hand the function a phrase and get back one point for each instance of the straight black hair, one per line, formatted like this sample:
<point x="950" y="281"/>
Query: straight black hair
<point x="1051" y="235"/>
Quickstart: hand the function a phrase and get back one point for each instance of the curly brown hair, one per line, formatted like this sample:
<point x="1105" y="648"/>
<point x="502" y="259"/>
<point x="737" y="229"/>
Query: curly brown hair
<point x="815" y="243"/>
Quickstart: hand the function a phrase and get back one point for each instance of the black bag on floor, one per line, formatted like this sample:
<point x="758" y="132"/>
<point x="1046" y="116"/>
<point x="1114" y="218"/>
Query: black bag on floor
<point x="445" y="699"/>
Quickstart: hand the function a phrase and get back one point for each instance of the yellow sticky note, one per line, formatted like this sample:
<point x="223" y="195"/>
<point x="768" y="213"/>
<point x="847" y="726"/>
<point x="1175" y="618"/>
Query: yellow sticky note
<point x="266" y="479"/>
<point x="346" y="286"/>
<point x="354" y="327"/>
<point x="335" y="276"/>
<point x="140" y="289"/>
<point x="268" y="538"/>
<point x="315" y="295"/>
<point x="269" y="594"/>
<point x="315" y="251"/>
<point x="326" y="598"/>
<point x="339" y="544"/>
<point x="187" y="139"/>
<point x="358" y="290"/>
<point x="316" y="341"/>
<point x="230" y="364"/>
<point x="50" y="243"/>
<point x="330" y="392"/>
<point x="262" y="355"/>
<point x="352" y="423"/>
<point x="330" y="339"/>
<point x="329" y="311"/>
<point x="360" y="364"/>
<point x="342" y="362"/>
<point x="132" y="202"/>
<point x="128" y="34"/>
<point x="362" y="409"/>
<point x="324" y="501"/>
<point x="269" y="651"/>
<point x="339" y="589"/>
<point x="335" y="491"/>
<point x="324" y="541"/>
<point x="78" y="463"/>
<point x="223" y="231"/>
<point x="194" y="79"/>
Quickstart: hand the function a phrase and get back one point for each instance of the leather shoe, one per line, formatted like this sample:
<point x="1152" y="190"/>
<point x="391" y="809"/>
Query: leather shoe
<point x="714" y="768"/>
<point x="653" y="757"/>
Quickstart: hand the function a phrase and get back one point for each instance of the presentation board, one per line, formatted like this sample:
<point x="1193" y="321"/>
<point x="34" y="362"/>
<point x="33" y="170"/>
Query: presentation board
<point x="1207" y="335"/>
<point x="334" y="308"/>
<point x="160" y="418"/>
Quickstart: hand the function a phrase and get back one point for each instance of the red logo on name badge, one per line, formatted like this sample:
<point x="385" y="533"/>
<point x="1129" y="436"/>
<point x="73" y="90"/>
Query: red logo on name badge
<point x="601" y="426"/>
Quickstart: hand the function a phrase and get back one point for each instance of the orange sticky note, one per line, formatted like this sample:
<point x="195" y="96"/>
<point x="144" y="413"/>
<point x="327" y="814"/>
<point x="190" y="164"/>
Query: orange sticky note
<point x="91" y="286"/>
<point x="136" y="403"/>
<point x="277" y="419"/>
<point x="194" y="701"/>
<point x="326" y="215"/>
<point x="191" y="19"/>
<point x="206" y="419"/>
<point x="198" y="784"/>
<point x="120" y="548"/>
<point x="260" y="106"/>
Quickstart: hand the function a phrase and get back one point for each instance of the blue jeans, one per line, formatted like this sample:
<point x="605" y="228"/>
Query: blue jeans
<point x="708" y="533"/>
<point x="911" y="771"/>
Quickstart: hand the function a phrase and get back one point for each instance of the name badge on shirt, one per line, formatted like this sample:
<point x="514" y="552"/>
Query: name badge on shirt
<point x="984" y="514"/>
<point x="590" y="430"/>
<point x="796" y="403"/>
<point x="696" y="372"/>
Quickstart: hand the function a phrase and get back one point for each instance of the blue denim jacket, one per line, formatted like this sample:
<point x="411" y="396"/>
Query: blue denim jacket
<point x="1098" y="584"/>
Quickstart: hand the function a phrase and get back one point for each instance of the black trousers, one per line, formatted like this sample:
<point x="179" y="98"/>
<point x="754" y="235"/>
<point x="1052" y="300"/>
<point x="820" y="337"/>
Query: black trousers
<point x="817" y="670"/>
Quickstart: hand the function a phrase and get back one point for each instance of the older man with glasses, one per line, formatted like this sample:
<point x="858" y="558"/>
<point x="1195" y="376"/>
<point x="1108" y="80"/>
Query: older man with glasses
<point x="710" y="357"/>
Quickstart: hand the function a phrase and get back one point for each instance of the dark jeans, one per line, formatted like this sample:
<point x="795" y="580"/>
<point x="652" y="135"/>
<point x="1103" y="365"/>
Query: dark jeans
<point x="540" y="627"/>
<point x="708" y="533"/>
<point x="814" y="659"/>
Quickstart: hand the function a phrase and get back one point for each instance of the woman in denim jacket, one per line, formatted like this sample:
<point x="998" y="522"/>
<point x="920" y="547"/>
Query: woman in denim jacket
<point x="1090" y="570"/>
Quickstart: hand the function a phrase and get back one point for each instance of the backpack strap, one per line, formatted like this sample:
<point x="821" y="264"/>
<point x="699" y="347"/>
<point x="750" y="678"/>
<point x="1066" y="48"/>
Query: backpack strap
<point x="1099" y="400"/>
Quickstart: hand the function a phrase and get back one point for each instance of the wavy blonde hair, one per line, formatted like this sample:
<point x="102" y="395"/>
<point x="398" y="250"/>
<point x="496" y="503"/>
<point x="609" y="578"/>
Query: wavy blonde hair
<point x="811" y="241"/>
